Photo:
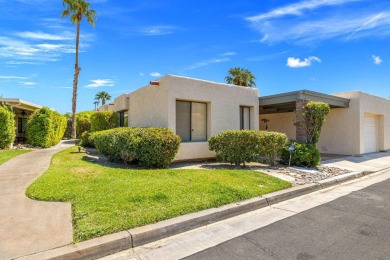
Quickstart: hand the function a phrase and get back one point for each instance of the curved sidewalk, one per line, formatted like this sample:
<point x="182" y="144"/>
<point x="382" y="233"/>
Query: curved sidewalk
<point x="28" y="226"/>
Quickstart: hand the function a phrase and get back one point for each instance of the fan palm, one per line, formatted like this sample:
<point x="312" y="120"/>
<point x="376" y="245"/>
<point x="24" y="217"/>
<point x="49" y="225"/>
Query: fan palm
<point x="77" y="9"/>
<point x="102" y="95"/>
<point x="240" y="77"/>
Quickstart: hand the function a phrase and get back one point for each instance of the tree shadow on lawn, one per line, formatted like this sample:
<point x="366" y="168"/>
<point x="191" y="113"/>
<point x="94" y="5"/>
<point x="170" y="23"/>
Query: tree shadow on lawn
<point x="92" y="155"/>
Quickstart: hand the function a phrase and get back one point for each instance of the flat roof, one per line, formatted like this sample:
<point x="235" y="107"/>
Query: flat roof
<point x="19" y="103"/>
<point x="286" y="102"/>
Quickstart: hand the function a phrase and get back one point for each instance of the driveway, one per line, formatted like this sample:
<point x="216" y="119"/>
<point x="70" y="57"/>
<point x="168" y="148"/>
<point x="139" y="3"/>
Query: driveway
<point x="29" y="226"/>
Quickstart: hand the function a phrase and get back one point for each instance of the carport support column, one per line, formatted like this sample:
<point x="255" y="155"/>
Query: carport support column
<point x="299" y="127"/>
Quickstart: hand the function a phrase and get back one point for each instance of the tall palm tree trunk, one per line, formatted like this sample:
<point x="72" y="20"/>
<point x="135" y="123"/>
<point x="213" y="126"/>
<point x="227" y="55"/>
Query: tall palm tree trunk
<point x="75" y="81"/>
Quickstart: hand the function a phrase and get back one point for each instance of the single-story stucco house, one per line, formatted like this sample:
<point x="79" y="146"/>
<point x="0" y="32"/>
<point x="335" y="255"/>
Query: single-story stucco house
<point x="197" y="109"/>
<point x="23" y="111"/>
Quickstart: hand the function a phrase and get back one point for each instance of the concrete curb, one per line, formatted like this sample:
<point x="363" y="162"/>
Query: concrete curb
<point x="110" y="244"/>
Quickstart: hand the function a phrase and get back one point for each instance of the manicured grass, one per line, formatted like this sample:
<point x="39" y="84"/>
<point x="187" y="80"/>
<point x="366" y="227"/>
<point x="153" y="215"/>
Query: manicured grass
<point x="6" y="155"/>
<point x="106" y="199"/>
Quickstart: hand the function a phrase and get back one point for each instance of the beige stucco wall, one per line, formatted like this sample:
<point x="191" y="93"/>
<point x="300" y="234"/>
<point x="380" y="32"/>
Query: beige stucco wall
<point x="281" y="122"/>
<point x="343" y="131"/>
<point x="121" y="103"/>
<point x="156" y="106"/>
<point x="148" y="106"/>
<point x="223" y="106"/>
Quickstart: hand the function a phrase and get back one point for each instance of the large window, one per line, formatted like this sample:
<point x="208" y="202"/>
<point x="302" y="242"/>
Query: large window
<point x="191" y="121"/>
<point x="22" y="122"/>
<point x="123" y="118"/>
<point x="245" y="115"/>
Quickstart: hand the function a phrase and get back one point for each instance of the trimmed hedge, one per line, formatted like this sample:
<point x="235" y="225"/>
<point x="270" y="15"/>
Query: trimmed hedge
<point x="304" y="154"/>
<point x="104" y="120"/>
<point x="7" y="127"/>
<point x="151" y="147"/>
<point x="271" y="145"/>
<point x="83" y="122"/>
<point x="45" y="128"/>
<point x="241" y="146"/>
<point x="236" y="146"/>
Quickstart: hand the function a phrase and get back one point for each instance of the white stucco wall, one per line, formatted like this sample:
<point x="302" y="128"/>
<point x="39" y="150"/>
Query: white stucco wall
<point x="223" y="106"/>
<point x="155" y="105"/>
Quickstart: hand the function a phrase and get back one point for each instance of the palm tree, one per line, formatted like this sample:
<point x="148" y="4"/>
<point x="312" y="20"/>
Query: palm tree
<point x="77" y="9"/>
<point x="102" y="95"/>
<point x="240" y="77"/>
<point x="96" y="103"/>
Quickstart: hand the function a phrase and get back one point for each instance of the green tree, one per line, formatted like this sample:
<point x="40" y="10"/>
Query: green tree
<point x="314" y="114"/>
<point x="102" y="95"/>
<point x="77" y="9"/>
<point x="240" y="77"/>
<point x="96" y="103"/>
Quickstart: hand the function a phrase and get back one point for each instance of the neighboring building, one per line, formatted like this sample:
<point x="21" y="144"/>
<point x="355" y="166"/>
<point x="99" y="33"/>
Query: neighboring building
<point x="358" y="122"/>
<point x="197" y="109"/>
<point x="23" y="111"/>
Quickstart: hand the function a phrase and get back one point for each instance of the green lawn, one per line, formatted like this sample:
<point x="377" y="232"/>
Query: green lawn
<point x="6" y="155"/>
<point x="107" y="199"/>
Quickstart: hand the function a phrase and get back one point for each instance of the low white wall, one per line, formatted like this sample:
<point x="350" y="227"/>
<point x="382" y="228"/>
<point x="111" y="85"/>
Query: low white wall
<point x="194" y="150"/>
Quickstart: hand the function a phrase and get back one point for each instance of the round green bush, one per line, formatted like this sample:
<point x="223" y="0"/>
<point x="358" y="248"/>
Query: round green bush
<point x="104" y="120"/>
<point x="83" y="122"/>
<point x="7" y="127"/>
<point x="45" y="128"/>
<point x="271" y="144"/>
<point x="151" y="147"/>
<point x="304" y="154"/>
<point x="236" y="146"/>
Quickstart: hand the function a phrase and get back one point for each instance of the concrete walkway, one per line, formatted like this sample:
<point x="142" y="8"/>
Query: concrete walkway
<point x="29" y="226"/>
<point x="366" y="162"/>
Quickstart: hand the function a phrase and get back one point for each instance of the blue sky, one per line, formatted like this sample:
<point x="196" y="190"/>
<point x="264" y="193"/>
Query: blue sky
<point x="322" y="45"/>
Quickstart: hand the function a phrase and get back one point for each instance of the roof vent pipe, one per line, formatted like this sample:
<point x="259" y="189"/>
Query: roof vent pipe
<point x="154" y="83"/>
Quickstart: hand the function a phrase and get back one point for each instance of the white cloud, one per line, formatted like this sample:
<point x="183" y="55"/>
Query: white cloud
<point x="340" y="19"/>
<point x="158" y="30"/>
<point x="155" y="74"/>
<point x="377" y="60"/>
<point x="97" y="83"/>
<point x="27" y="83"/>
<point x="12" y="77"/>
<point x="141" y="74"/>
<point x="232" y="53"/>
<point x="46" y="36"/>
<point x="297" y="9"/>
<point x="297" y="63"/>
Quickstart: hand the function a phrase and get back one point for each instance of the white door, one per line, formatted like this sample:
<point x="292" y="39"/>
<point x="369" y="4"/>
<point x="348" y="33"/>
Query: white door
<point x="370" y="128"/>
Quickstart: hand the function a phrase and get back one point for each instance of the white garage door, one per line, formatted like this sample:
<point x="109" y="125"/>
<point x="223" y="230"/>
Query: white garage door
<point x="370" y="133"/>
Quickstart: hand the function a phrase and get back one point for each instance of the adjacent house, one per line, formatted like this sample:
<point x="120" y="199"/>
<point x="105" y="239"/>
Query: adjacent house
<point x="22" y="110"/>
<point x="197" y="109"/>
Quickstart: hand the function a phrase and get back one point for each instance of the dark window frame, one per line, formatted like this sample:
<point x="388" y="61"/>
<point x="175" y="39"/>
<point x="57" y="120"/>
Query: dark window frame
<point x="122" y="118"/>
<point x="242" y="119"/>
<point x="190" y="118"/>
<point x="20" y="125"/>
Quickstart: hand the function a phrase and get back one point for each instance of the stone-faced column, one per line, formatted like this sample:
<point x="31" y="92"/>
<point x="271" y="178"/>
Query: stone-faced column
<point x="299" y="127"/>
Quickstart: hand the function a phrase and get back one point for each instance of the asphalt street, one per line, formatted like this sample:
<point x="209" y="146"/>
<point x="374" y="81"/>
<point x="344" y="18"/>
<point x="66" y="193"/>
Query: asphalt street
<point x="355" y="226"/>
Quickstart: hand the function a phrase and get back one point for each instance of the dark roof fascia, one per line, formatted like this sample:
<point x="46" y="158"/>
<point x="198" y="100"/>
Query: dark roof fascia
<point x="289" y="97"/>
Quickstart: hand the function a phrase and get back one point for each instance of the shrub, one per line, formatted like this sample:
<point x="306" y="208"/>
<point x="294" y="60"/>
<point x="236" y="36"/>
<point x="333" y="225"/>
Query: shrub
<point x="104" y="120"/>
<point x="45" y="128"/>
<point x="7" y="127"/>
<point x="83" y="122"/>
<point x="304" y="154"/>
<point x="150" y="147"/>
<point x="236" y="146"/>
<point x="85" y="140"/>
<point x="313" y="118"/>
<point x="271" y="145"/>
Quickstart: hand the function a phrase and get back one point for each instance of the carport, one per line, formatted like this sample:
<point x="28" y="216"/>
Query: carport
<point x="279" y="112"/>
